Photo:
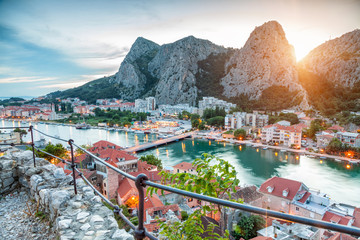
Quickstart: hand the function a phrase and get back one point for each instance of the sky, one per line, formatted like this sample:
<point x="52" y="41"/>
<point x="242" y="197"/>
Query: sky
<point x="48" y="45"/>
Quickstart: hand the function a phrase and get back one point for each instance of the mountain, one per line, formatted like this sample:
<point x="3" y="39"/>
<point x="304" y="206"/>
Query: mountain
<point x="330" y="74"/>
<point x="267" y="64"/>
<point x="133" y="75"/>
<point x="175" y="66"/>
<point x="263" y="74"/>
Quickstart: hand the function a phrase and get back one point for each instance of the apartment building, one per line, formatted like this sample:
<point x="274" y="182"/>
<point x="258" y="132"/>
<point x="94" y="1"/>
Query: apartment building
<point x="284" y="135"/>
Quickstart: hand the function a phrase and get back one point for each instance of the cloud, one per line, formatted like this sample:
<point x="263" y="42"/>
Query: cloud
<point x="26" y="79"/>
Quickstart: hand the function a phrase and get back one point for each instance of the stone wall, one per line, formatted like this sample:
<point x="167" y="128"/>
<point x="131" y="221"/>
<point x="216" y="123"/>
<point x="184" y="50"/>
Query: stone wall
<point x="81" y="216"/>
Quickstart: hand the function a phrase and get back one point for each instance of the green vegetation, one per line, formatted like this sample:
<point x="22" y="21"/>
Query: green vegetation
<point x="14" y="101"/>
<point x="141" y="64"/>
<point x="336" y="147"/>
<point x="211" y="70"/>
<point x="291" y="117"/>
<point x="121" y="223"/>
<point x="210" y="113"/>
<point x="151" y="159"/>
<point x="240" y="133"/>
<point x="64" y="108"/>
<point x="248" y="226"/>
<point x="217" y="121"/>
<point x="22" y="133"/>
<point x="315" y="126"/>
<point x="56" y="150"/>
<point x="327" y="97"/>
<point x="184" y="215"/>
<point x="216" y="180"/>
<point x="110" y="117"/>
<point x="105" y="87"/>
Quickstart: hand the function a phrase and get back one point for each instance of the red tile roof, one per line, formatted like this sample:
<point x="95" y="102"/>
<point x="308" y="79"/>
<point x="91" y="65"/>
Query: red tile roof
<point x="333" y="217"/>
<point x="103" y="145"/>
<point x="293" y="128"/>
<point x="125" y="186"/>
<point x="184" y="166"/>
<point x="114" y="156"/>
<point x="305" y="197"/>
<point x="336" y="128"/>
<point x="280" y="184"/>
<point x="356" y="215"/>
<point x="80" y="158"/>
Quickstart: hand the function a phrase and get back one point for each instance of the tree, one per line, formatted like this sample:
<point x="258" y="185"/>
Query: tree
<point x="240" y="134"/>
<point x="195" y="123"/>
<point x="151" y="159"/>
<point x="56" y="150"/>
<point x="335" y="145"/>
<point x="194" y="116"/>
<point x="216" y="121"/>
<point x="248" y="226"/>
<point x="214" y="177"/>
<point x="22" y="133"/>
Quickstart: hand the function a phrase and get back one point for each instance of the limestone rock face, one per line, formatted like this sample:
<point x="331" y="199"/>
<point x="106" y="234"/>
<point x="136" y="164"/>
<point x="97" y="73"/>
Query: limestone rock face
<point x="337" y="60"/>
<point x="266" y="59"/>
<point x="175" y="66"/>
<point x="132" y="71"/>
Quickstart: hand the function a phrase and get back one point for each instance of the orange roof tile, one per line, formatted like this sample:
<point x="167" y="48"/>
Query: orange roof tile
<point x="279" y="185"/>
<point x="333" y="217"/>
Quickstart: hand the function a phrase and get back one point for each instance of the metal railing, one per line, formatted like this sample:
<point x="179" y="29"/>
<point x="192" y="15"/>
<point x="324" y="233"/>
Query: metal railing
<point x="141" y="181"/>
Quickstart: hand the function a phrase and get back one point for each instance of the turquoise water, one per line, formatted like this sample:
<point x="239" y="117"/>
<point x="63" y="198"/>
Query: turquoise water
<point x="253" y="165"/>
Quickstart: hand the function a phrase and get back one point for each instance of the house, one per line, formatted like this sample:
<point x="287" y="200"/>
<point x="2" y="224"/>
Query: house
<point x="336" y="128"/>
<point x="352" y="139"/>
<point x="280" y="192"/>
<point x="338" y="218"/>
<point x="323" y="140"/>
<point x="287" y="230"/>
<point x="184" y="167"/>
<point x="282" y="134"/>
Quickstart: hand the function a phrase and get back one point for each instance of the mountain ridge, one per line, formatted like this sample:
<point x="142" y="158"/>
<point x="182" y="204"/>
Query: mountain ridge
<point x="264" y="69"/>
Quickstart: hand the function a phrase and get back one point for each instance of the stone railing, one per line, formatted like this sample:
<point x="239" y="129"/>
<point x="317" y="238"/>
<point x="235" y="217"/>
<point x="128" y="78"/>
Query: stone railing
<point x="81" y="216"/>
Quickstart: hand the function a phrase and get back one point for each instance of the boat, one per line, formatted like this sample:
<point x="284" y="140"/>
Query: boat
<point x="139" y="132"/>
<point x="265" y="148"/>
<point x="323" y="157"/>
<point x="337" y="160"/>
<point x="282" y="150"/>
<point x="147" y="131"/>
<point x="82" y="126"/>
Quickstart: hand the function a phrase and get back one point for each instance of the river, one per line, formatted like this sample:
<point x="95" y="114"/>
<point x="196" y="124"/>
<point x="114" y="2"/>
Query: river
<point x="253" y="165"/>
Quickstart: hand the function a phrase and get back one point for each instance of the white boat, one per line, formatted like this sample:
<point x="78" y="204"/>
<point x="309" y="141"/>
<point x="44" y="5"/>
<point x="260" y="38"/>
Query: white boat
<point x="139" y="132"/>
<point x="265" y="148"/>
<point x="337" y="160"/>
<point x="283" y="150"/>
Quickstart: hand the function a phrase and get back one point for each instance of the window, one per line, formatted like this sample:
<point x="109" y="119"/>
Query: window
<point x="297" y="208"/>
<point x="105" y="192"/>
<point x="178" y="170"/>
<point x="104" y="184"/>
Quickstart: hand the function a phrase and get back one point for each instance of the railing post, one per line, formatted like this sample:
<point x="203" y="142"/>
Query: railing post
<point x="32" y="143"/>
<point x="140" y="185"/>
<point x="73" y="163"/>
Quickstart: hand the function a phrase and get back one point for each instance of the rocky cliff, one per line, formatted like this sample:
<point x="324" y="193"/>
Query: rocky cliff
<point x="337" y="60"/>
<point x="267" y="59"/>
<point x="175" y="66"/>
<point x="133" y="75"/>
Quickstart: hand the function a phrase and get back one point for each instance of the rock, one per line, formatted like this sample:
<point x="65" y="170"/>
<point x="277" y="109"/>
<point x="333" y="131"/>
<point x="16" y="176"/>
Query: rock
<point x="85" y="227"/>
<point x="59" y="173"/>
<point x="121" y="234"/>
<point x="96" y="219"/>
<point x="64" y="224"/>
<point x="59" y="198"/>
<point x="7" y="164"/>
<point x="267" y="59"/>
<point x="82" y="215"/>
<point x="8" y="181"/>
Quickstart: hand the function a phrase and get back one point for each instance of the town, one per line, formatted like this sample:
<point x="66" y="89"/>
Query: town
<point x="212" y="120"/>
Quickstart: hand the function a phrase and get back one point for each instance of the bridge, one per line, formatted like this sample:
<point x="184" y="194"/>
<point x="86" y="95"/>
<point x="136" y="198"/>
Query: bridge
<point x="157" y="143"/>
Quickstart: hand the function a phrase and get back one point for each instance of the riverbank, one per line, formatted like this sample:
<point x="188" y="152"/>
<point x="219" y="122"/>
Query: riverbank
<point x="282" y="148"/>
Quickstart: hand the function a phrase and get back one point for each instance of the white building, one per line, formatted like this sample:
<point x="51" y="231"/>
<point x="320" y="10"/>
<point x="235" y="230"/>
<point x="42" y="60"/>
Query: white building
<point x="147" y="105"/>
<point x="352" y="139"/>
<point x="212" y="103"/>
<point x="280" y="134"/>
<point x="239" y="119"/>
<point x="176" y="109"/>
